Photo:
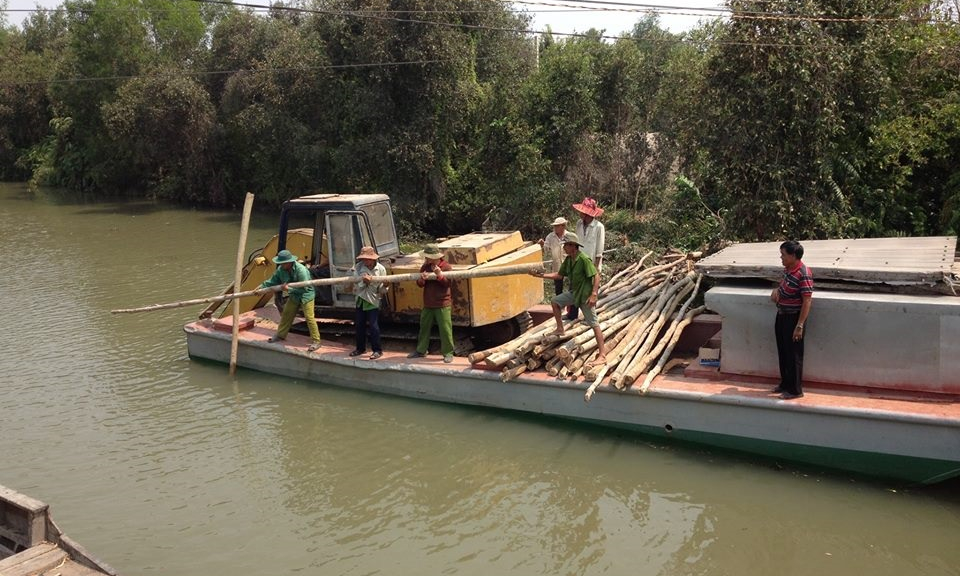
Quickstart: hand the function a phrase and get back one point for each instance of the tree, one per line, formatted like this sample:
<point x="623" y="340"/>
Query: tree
<point x="787" y="108"/>
<point x="28" y="58"/>
<point x="160" y="127"/>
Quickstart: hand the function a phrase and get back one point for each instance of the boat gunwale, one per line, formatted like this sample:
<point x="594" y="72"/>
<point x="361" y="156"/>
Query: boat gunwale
<point x="741" y="398"/>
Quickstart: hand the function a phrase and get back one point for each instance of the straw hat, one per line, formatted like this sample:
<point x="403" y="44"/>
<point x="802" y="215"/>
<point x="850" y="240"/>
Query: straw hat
<point x="284" y="257"/>
<point x="432" y="251"/>
<point x="560" y="221"/>
<point x="571" y="238"/>
<point x="589" y="207"/>
<point x="367" y="253"/>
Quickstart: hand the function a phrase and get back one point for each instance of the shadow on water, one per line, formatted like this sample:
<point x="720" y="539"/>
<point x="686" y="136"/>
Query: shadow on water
<point x="118" y="205"/>
<point x="92" y="203"/>
<point x="947" y="492"/>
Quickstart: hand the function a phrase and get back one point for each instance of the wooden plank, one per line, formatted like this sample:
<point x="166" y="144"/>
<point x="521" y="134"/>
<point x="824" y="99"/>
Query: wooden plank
<point x="26" y="555"/>
<point x="71" y="568"/>
<point x="21" y="500"/>
<point x="21" y="565"/>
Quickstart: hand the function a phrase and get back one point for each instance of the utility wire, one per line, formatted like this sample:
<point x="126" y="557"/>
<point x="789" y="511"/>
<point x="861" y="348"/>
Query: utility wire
<point x="719" y="12"/>
<point x="377" y="16"/>
<point x="708" y="12"/>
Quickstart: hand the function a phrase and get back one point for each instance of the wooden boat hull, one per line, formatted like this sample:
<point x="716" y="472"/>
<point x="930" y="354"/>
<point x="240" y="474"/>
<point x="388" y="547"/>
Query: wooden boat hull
<point x="913" y="441"/>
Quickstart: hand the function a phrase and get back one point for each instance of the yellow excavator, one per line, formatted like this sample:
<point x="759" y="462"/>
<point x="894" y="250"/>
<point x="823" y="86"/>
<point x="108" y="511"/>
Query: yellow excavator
<point x="327" y="231"/>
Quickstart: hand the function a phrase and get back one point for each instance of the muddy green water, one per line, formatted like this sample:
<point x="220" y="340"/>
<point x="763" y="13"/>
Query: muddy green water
<point x="162" y="465"/>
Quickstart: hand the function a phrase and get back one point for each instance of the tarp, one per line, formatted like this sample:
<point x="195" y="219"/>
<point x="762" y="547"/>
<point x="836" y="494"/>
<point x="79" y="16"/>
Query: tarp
<point x="925" y="261"/>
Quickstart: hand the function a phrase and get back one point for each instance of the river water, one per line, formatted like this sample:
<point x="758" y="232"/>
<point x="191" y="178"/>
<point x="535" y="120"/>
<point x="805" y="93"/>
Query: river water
<point x="159" y="464"/>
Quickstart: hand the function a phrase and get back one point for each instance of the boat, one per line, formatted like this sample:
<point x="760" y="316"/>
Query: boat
<point x="31" y="543"/>
<point x="873" y="406"/>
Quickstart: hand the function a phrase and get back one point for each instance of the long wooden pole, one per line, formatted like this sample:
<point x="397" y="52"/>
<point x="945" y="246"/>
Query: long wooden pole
<point x="237" y="278"/>
<point x="481" y="272"/>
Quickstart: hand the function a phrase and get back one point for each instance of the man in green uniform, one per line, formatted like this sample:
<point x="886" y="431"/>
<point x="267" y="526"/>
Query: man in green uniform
<point x="584" y="287"/>
<point x="437" y="302"/>
<point x="289" y="270"/>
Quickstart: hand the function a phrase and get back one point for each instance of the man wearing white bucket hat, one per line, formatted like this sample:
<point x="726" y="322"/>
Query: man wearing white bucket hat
<point x="553" y="244"/>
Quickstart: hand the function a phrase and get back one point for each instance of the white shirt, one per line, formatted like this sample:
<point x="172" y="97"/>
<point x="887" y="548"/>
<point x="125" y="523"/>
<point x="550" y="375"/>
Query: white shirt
<point x="592" y="238"/>
<point x="553" y="244"/>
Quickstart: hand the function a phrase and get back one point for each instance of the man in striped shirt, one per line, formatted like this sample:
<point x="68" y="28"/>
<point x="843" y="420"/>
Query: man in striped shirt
<point x="793" y="298"/>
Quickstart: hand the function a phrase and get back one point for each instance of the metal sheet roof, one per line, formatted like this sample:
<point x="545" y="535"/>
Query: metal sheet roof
<point x="902" y="261"/>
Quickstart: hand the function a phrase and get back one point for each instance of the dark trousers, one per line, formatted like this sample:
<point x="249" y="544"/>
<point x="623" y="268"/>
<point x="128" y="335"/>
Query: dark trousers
<point x="572" y="311"/>
<point x="367" y="320"/>
<point x="790" y="353"/>
<point x="557" y="286"/>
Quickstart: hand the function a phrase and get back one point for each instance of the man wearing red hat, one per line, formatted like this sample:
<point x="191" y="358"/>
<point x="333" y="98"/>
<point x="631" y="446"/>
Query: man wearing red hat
<point x="591" y="234"/>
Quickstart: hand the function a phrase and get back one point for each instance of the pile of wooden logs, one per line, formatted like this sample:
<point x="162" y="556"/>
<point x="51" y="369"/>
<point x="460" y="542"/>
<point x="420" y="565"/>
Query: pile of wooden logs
<point x="642" y="310"/>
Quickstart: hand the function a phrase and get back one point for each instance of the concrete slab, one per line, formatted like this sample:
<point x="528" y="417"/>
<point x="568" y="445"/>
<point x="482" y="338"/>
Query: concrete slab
<point x="852" y="338"/>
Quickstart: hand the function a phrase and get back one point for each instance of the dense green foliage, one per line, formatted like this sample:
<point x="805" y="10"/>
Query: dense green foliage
<point x="794" y="118"/>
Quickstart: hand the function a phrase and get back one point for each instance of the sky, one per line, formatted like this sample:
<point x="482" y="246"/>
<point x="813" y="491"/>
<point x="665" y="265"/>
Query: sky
<point x="616" y="19"/>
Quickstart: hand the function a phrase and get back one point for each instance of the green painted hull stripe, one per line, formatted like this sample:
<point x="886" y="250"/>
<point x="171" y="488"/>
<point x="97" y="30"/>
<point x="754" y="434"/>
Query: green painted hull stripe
<point x="909" y="468"/>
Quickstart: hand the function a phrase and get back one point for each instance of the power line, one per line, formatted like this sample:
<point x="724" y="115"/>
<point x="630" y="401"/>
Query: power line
<point x="593" y="6"/>
<point x="717" y="12"/>
<point x="377" y="15"/>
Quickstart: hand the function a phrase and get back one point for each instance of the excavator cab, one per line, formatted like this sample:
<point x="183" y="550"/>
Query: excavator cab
<point x="327" y="231"/>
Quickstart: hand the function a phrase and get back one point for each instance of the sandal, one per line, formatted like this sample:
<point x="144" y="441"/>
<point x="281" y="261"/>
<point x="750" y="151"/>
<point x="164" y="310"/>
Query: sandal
<point x="314" y="347"/>
<point x="376" y="355"/>
<point x="356" y="353"/>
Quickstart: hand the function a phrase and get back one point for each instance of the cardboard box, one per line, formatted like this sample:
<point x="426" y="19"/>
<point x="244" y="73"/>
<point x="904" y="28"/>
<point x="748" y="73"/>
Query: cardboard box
<point x="709" y="356"/>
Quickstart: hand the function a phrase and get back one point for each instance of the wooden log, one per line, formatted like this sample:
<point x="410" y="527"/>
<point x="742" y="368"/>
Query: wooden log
<point x="514" y="362"/>
<point x="640" y="333"/>
<point x="478" y="272"/>
<point x="499" y="359"/>
<point x="624" y="276"/>
<point x="237" y="278"/>
<point x="639" y="362"/>
<point x="656" y="337"/>
<point x="517" y="343"/>
<point x="553" y="366"/>
<point x="687" y="319"/>
<point x="512" y="373"/>
<point x="577" y="365"/>
<point x="609" y="327"/>
<point x="597" y="381"/>
<point x="668" y="335"/>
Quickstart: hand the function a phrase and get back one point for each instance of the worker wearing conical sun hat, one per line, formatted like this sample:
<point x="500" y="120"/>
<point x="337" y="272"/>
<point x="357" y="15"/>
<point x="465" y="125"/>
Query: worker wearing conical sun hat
<point x="592" y="236"/>
<point x="289" y="271"/>
<point x="590" y="230"/>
